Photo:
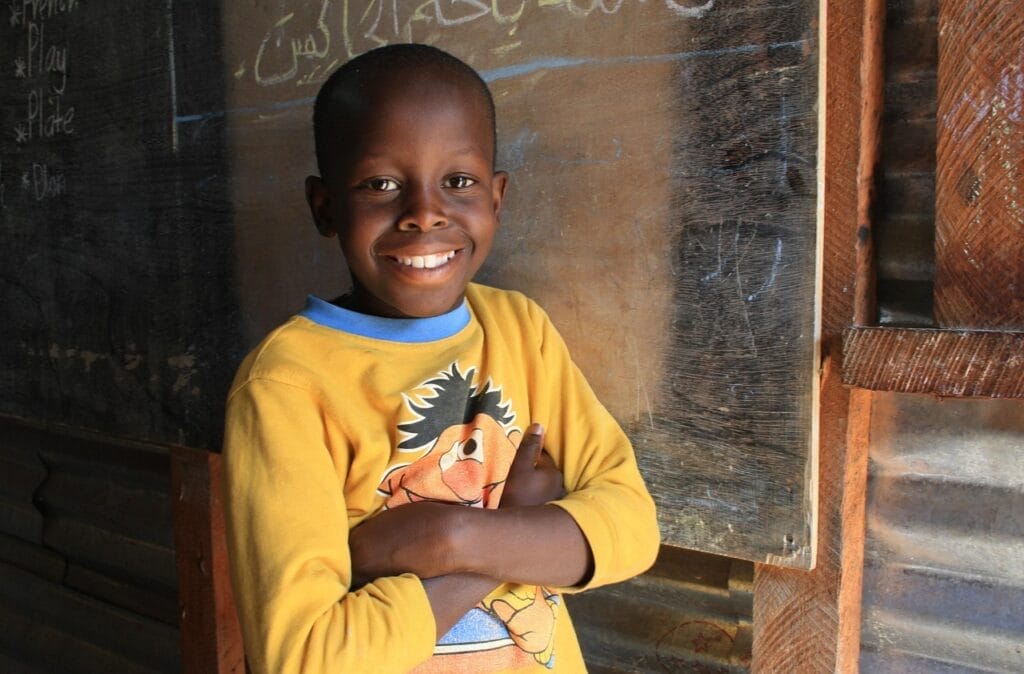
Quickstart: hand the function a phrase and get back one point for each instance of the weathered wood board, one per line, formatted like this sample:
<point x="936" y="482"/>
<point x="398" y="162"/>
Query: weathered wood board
<point x="979" y="213"/>
<point x="89" y="585"/>
<point x="661" y="208"/>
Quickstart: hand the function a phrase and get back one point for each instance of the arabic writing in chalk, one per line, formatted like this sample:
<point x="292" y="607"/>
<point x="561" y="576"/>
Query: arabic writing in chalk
<point x="304" y="51"/>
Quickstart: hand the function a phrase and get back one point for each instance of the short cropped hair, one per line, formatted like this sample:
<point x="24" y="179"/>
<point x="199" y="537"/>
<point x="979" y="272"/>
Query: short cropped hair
<point x="355" y="76"/>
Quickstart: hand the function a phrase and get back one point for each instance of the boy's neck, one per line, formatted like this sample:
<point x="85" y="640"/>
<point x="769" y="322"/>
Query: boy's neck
<point x="350" y="302"/>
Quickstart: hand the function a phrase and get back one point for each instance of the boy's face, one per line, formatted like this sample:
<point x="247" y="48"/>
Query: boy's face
<point x="412" y="195"/>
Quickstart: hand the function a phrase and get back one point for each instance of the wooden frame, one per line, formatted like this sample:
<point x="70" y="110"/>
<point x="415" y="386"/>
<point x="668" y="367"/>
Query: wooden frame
<point x="948" y="363"/>
<point x="810" y="621"/>
<point x="979" y="250"/>
<point x="211" y="641"/>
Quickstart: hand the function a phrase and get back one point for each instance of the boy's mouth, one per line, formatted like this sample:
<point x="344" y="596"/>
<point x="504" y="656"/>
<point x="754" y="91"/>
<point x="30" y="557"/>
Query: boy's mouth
<point x="432" y="261"/>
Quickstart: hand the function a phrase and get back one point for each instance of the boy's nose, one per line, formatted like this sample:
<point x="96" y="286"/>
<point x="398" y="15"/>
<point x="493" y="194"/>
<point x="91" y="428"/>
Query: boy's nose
<point x="424" y="210"/>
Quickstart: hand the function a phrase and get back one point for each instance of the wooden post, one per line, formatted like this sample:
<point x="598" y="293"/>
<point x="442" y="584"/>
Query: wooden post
<point x="872" y="102"/>
<point x="853" y="529"/>
<point x="979" y="184"/>
<point x="211" y="642"/>
<point x="810" y="621"/>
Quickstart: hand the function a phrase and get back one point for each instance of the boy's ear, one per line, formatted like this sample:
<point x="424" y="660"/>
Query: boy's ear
<point x="498" y="185"/>
<point x="319" y="199"/>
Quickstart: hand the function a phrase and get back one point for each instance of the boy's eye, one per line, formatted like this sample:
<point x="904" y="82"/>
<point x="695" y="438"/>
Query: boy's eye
<point x="381" y="184"/>
<point x="460" y="182"/>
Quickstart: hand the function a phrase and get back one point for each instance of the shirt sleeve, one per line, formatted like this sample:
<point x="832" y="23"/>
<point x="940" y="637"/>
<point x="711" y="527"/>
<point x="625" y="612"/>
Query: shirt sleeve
<point x="607" y="497"/>
<point x="287" y="534"/>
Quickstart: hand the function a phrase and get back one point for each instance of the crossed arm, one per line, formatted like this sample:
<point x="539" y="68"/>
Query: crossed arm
<point x="464" y="553"/>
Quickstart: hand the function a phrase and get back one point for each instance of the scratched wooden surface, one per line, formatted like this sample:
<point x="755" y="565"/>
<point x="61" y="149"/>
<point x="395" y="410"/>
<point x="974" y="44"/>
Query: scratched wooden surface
<point x="979" y="213"/>
<point x="661" y="209"/>
<point x="948" y="363"/>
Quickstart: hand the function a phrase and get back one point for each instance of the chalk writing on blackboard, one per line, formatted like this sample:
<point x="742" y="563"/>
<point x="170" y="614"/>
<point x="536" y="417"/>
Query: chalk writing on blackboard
<point x="43" y="66"/>
<point x="45" y="57"/>
<point x="313" y="45"/>
<point x="46" y="182"/>
<point x="297" y="49"/>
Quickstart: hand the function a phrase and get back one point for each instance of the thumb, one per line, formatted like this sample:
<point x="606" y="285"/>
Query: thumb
<point x="530" y="447"/>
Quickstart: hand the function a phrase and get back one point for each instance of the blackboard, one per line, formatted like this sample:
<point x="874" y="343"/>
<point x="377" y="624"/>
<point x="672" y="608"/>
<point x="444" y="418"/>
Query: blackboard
<point x="661" y="208"/>
<point x="115" y="279"/>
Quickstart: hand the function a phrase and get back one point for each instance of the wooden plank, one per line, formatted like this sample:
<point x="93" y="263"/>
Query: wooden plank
<point x="151" y="600"/>
<point x="10" y="665"/>
<point x="21" y="473"/>
<point x="147" y="644"/>
<point x="110" y="550"/>
<point x="949" y="363"/>
<point x="908" y="245"/>
<point x="99" y="503"/>
<point x="18" y="479"/>
<point x="39" y="647"/>
<point x="808" y="621"/>
<point x="801" y="619"/>
<point x="22" y="520"/>
<point x="979" y="218"/>
<point x="872" y="102"/>
<point x="101" y="506"/>
<point x="34" y="558"/>
<point x="211" y="640"/>
<point x="853" y="531"/>
<point x="126" y="505"/>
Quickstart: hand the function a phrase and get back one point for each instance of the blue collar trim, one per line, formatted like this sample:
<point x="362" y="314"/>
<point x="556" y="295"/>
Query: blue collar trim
<point x="408" y="330"/>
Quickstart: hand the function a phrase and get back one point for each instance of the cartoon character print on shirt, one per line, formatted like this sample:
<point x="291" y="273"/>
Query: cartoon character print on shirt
<point x="464" y="439"/>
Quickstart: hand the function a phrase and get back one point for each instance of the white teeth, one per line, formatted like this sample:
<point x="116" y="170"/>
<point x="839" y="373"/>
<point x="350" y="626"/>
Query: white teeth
<point x="426" y="261"/>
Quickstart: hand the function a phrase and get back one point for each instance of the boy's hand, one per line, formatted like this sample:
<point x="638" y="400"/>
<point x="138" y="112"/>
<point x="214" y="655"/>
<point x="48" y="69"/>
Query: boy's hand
<point x="415" y="538"/>
<point x="431" y="539"/>
<point x="533" y="479"/>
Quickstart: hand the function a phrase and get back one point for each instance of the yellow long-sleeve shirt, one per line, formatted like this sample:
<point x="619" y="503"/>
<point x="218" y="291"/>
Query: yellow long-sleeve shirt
<point x="336" y="415"/>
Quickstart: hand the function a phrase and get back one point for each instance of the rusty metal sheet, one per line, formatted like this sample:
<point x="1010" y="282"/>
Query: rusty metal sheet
<point x="944" y="582"/>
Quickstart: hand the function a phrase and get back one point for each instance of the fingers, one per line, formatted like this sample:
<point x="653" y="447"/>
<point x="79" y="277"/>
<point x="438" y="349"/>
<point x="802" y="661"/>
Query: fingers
<point x="530" y="447"/>
<point x="545" y="460"/>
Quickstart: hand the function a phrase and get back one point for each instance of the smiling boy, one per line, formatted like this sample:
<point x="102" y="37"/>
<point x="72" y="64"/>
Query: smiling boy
<point x="385" y="511"/>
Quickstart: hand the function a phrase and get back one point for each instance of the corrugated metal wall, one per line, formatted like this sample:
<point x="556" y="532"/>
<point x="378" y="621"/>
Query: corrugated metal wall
<point x="87" y="576"/>
<point x="944" y="559"/>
